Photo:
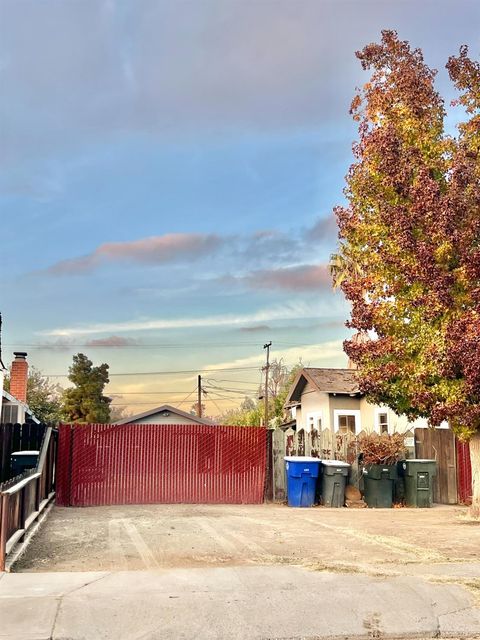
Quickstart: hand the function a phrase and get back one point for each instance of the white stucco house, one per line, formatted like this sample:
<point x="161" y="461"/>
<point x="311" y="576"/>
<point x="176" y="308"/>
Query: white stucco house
<point x="331" y="399"/>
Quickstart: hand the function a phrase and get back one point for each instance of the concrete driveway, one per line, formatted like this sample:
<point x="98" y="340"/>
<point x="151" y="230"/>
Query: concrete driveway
<point x="159" y="536"/>
<point x="262" y="572"/>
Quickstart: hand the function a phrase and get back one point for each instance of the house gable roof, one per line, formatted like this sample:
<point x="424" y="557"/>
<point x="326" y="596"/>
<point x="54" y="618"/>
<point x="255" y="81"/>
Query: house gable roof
<point x="341" y="381"/>
<point x="170" y="409"/>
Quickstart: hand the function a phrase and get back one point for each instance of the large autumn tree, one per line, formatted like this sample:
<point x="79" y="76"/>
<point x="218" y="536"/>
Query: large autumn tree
<point x="409" y="252"/>
<point x="84" y="401"/>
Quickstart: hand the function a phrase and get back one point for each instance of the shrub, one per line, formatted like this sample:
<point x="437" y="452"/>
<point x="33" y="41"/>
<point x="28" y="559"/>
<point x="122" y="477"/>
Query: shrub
<point x="381" y="448"/>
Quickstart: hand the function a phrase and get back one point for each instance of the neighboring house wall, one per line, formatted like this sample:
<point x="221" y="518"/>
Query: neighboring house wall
<point x="12" y="410"/>
<point x="368" y="417"/>
<point x="342" y="407"/>
<point x="159" y="418"/>
<point x="314" y="407"/>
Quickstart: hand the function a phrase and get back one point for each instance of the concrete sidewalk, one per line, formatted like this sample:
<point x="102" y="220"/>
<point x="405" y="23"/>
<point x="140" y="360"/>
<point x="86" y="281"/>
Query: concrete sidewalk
<point x="263" y="602"/>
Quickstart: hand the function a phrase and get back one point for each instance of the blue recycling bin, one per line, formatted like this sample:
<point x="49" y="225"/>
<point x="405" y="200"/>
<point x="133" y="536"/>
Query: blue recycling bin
<point x="302" y="473"/>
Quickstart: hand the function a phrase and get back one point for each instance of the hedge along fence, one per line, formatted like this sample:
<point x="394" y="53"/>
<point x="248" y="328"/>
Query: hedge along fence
<point x="23" y="498"/>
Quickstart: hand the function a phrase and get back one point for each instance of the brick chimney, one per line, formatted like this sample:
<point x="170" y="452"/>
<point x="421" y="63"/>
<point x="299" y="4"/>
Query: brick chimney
<point x="18" y="376"/>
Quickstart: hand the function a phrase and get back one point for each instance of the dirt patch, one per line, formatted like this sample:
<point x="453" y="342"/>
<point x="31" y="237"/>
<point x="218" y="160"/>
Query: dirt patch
<point x="159" y="536"/>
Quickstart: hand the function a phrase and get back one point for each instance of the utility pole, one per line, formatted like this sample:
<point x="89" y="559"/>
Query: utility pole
<point x="267" y="368"/>
<point x="199" y="397"/>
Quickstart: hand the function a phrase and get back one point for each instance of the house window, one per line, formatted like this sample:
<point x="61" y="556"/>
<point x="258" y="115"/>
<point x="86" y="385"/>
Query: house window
<point x="314" y="421"/>
<point x="347" y="420"/>
<point x="383" y="422"/>
<point x="346" y="424"/>
<point x="9" y="413"/>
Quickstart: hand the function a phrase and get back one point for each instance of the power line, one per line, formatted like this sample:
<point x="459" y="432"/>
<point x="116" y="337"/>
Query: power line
<point x="180" y="345"/>
<point x="143" y="393"/>
<point x="188" y="396"/>
<point x="143" y="404"/>
<point x="219" y="395"/>
<point x="249" y="382"/>
<point x="158" y="373"/>
<point x="230" y="390"/>
<point x="214" y="402"/>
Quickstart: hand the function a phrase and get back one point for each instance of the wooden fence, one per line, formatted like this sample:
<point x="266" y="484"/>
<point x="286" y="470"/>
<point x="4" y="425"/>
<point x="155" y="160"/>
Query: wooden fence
<point x="439" y="445"/>
<point x="22" y="499"/>
<point x="325" y="445"/>
<point x="17" y="437"/>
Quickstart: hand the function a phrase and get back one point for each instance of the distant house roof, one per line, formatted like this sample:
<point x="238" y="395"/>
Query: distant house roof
<point x="341" y="381"/>
<point x="12" y="400"/>
<point x="170" y="409"/>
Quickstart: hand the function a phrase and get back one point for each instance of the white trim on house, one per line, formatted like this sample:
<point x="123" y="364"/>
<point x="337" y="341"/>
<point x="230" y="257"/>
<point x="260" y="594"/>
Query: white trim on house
<point x="314" y="420"/>
<point x="377" y="412"/>
<point x="348" y="412"/>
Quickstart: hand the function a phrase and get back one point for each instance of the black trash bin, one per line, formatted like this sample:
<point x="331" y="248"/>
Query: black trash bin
<point x="378" y="485"/>
<point x="22" y="460"/>
<point x="418" y="477"/>
<point x="334" y="479"/>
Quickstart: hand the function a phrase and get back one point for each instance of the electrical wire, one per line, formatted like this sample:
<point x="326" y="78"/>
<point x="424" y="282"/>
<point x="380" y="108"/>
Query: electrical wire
<point x="141" y="393"/>
<point x="143" y="404"/>
<point x="179" y="345"/>
<point x="158" y="373"/>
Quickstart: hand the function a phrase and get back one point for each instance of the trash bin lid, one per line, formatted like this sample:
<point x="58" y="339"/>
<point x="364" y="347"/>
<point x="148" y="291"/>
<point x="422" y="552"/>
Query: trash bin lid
<point x="335" y="463"/>
<point x="301" y="459"/>
<point x="25" y="453"/>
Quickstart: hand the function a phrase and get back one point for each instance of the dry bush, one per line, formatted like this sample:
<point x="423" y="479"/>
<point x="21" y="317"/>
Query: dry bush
<point x="381" y="448"/>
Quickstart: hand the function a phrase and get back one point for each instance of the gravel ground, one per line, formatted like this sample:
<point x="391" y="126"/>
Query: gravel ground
<point x="143" y="537"/>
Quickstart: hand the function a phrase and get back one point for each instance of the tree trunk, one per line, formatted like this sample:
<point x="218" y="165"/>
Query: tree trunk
<point x="475" y="462"/>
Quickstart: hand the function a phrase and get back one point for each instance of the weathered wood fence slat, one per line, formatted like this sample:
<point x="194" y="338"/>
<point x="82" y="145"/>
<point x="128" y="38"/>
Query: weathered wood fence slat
<point x="325" y="445"/>
<point x="23" y="498"/>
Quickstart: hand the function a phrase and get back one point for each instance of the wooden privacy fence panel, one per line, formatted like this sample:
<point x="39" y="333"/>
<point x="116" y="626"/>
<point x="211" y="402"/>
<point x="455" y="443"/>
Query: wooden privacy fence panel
<point x="102" y="464"/>
<point x="22" y="499"/>
<point x="464" y="473"/>
<point x="439" y="445"/>
<point x="17" y="437"/>
<point x="325" y="444"/>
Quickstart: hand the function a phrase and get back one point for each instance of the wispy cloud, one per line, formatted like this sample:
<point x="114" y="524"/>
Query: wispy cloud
<point x="324" y="230"/>
<point x="256" y="328"/>
<point x="154" y="250"/>
<point x="331" y="351"/>
<point x="300" y="278"/>
<point x="112" y="341"/>
<point x="283" y="312"/>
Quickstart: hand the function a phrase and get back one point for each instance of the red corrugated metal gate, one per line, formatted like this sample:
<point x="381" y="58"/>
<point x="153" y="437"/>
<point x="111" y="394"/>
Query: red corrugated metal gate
<point x="101" y="464"/>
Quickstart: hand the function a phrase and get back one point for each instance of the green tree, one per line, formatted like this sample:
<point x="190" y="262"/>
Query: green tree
<point x="409" y="254"/>
<point x="249" y="414"/>
<point x="85" y="402"/>
<point x="43" y="396"/>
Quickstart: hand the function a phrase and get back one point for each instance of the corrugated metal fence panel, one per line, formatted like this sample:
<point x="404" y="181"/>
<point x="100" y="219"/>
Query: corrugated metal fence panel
<point x="102" y="464"/>
<point x="464" y="473"/>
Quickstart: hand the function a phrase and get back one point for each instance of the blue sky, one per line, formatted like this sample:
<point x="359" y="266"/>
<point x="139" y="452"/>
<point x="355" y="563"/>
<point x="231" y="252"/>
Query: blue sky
<point x="167" y="176"/>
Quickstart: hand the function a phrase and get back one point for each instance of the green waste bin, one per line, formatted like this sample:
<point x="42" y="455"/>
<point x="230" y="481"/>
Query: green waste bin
<point x="378" y="482"/>
<point x="418" y="476"/>
<point x="334" y="479"/>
